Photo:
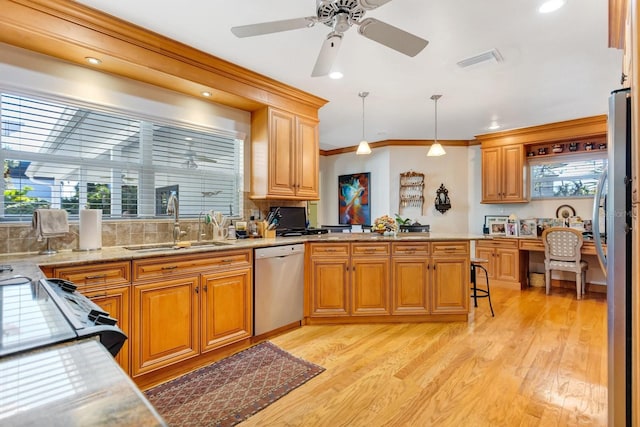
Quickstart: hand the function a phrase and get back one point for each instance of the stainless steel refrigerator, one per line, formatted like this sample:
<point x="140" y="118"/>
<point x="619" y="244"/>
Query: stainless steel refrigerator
<point x="614" y="194"/>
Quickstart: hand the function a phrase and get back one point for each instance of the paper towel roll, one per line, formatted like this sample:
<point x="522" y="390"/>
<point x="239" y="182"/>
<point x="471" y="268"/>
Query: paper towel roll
<point x="90" y="229"/>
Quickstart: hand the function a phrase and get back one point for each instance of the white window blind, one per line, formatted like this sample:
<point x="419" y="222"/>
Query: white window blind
<point x="564" y="177"/>
<point x="60" y="155"/>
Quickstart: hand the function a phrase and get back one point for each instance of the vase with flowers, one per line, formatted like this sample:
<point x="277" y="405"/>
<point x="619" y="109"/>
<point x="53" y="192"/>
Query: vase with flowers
<point x="385" y="225"/>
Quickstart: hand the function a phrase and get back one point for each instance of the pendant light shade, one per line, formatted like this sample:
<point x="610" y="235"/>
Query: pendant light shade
<point x="363" y="147"/>
<point x="436" y="149"/>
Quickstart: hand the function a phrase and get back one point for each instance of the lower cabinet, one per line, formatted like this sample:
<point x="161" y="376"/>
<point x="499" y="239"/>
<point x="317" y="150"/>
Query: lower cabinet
<point x="185" y="307"/>
<point x="116" y="301"/>
<point x="387" y="280"/>
<point x="503" y="260"/>
<point x="108" y="285"/>
<point x="165" y="323"/>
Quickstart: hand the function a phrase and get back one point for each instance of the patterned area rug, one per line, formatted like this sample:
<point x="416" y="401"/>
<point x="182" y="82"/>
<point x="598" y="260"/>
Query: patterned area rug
<point x="232" y="389"/>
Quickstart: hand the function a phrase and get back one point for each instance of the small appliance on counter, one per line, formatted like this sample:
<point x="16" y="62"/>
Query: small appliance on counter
<point x="42" y="313"/>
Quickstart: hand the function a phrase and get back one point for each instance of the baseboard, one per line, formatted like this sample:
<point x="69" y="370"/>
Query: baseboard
<point x="570" y="284"/>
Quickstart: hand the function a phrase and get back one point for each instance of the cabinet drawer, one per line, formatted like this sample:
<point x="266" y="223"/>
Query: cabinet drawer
<point x="105" y="274"/>
<point x="410" y="249"/>
<point x="359" y="249"/>
<point x="498" y="243"/>
<point x="153" y="268"/>
<point x="449" y="248"/>
<point x="532" y="245"/>
<point x="329" y="249"/>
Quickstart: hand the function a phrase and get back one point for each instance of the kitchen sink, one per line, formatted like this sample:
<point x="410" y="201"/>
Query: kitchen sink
<point x="171" y="246"/>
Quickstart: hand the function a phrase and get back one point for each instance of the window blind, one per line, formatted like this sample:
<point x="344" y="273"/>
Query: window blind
<point x="60" y="155"/>
<point x="558" y="178"/>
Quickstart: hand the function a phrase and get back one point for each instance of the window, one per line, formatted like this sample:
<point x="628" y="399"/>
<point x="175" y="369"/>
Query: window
<point x="564" y="177"/>
<point x="60" y="155"/>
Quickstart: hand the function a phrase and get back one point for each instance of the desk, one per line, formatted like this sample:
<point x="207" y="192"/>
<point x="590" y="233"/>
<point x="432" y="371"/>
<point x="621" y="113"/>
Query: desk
<point x="508" y="258"/>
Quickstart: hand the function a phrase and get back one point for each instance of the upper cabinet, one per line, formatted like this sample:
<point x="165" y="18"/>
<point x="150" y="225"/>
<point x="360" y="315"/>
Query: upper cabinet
<point x="284" y="156"/>
<point x="503" y="154"/>
<point x="503" y="174"/>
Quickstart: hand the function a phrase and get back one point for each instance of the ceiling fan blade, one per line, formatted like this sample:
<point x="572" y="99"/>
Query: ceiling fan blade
<point x="372" y="4"/>
<point x="327" y="55"/>
<point x="274" y="26"/>
<point x="392" y="37"/>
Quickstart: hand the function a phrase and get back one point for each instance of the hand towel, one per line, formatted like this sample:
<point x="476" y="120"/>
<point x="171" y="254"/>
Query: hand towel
<point x="49" y="223"/>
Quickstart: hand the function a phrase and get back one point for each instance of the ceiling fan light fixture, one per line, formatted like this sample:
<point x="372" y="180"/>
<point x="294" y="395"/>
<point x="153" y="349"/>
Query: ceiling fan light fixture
<point x="363" y="147"/>
<point x="336" y="75"/>
<point x="436" y="148"/>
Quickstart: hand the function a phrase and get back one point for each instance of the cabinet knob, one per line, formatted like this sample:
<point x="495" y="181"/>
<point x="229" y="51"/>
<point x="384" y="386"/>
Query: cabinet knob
<point x="197" y="289"/>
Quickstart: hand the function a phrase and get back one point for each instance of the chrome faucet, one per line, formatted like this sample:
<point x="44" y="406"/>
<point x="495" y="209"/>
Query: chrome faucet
<point x="173" y="208"/>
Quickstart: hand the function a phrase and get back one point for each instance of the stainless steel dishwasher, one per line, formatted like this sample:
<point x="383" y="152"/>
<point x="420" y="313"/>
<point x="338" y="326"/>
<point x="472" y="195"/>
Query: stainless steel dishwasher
<point x="278" y="287"/>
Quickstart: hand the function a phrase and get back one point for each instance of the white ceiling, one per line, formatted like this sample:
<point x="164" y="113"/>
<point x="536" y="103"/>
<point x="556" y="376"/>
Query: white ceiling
<point x="556" y="66"/>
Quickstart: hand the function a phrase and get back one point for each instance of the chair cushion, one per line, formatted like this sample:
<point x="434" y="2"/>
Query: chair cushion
<point x="570" y="265"/>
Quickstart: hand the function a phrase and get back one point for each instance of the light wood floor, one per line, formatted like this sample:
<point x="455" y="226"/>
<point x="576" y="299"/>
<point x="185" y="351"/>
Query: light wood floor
<point x="542" y="361"/>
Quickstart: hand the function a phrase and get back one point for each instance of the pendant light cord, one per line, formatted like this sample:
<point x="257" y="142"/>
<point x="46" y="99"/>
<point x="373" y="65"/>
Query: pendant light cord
<point x="363" y="95"/>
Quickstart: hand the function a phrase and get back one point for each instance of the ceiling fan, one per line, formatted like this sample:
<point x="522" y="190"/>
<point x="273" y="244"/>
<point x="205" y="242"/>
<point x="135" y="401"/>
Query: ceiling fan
<point x="340" y="15"/>
<point x="192" y="156"/>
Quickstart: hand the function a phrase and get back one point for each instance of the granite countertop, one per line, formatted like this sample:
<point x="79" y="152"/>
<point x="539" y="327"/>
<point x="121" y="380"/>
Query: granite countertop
<point x="82" y="386"/>
<point x="27" y="263"/>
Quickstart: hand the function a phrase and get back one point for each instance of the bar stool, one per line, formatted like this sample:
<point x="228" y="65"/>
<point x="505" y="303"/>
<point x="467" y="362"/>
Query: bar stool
<point x="477" y="292"/>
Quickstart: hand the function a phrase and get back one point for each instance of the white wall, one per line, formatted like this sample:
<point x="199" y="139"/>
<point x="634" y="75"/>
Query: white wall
<point x="385" y="165"/>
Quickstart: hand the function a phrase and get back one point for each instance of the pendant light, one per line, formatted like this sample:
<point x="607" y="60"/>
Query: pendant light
<point x="363" y="147"/>
<point x="436" y="149"/>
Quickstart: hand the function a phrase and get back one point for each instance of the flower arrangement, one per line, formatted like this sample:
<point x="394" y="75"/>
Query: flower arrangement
<point x="385" y="224"/>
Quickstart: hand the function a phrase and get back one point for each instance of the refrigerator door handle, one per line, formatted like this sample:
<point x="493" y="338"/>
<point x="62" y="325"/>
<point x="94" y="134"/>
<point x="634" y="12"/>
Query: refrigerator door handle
<point x="595" y="222"/>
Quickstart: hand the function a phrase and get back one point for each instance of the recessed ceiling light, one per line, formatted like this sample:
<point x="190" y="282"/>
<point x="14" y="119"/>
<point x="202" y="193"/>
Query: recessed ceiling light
<point x="494" y="126"/>
<point x="551" y="6"/>
<point x="92" y="60"/>
<point x="206" y="93"/>
<point x="336" y="75"/>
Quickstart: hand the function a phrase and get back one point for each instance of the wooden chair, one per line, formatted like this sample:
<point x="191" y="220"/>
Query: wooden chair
<point x="562" y="252"/>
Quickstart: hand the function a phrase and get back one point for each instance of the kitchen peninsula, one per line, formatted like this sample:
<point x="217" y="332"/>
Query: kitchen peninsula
<point x="349" y="278"/>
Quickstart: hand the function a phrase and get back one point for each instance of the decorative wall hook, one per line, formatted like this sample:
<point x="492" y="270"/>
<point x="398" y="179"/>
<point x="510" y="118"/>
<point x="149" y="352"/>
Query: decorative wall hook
<point x="443" y="203"/>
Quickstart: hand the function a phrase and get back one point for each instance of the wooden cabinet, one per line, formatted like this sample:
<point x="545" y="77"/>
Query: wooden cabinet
<point x="503" y="261"/>
<point x="410" y="283"/>
<point x="503" y="174"/>
<point x="185" y="306"/>
<point x="284" y="156"/>
<point x="370" y="279"/>
<point x="450" y="277"/>
<point x="226" y="308"/>
<point x="108" y="285"/>
<point x="165" y="323"/>
<point x="383" y="280"/>
<point x="349" y="279"/>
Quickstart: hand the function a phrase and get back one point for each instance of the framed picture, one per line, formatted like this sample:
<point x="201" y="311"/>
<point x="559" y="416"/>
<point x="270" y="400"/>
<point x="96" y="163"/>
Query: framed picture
<point x="527" y="227"/>
<point x="497" y="226"/>
<point x="162" y="196"/>
<point x="490" y="219"/>
<point x="511" y="229"/>
<point x="353" y="199"/>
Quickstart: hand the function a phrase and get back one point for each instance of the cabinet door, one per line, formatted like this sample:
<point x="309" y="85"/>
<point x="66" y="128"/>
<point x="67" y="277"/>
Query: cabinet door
<point x="282" y="152"/>
<point x="115" y="301"/>
<point x="490" y="255"/>
<point x="307" y="159"/>
<point x="329" y="287"/>
<point x="512" y="173"/>
<point x="491" y="175"/>
<point x="410" y="292"/>
<point x="450" y="285"/>
<point x="165" y="323"/>
<point x="370" y="284"/>
<point x="507" y="266"/>
<point x="226" y="308"/>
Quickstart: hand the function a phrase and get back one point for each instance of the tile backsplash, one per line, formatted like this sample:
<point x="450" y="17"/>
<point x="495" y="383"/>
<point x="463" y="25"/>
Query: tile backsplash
<point x="19" y="237"/>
